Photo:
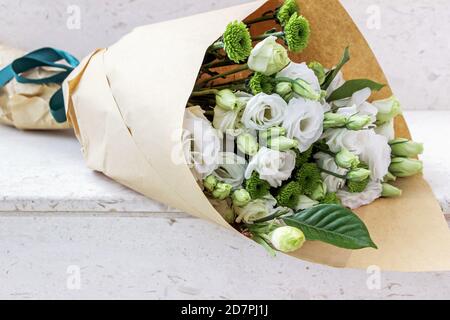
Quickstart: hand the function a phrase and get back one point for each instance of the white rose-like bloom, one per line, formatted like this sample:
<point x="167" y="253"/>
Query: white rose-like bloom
<point x="387" y="130"/>
<point x="272" y="165"/>
<point x="356" y="200"/>
<point x="201" y="143"/>
<point x="256" y="209"/>
<point x="296" y="71"/>
<point x="325" y="161"/>
<point x="268" y="57"/>
<point x="228" y="121"/>
<point x="357" y="104"/>
<point x="371" y="148"/>
<point x="303" y="121"/>
<point x="231" y="169"/>
<point x="264" y="111"/>
<point x="337" y="82"/>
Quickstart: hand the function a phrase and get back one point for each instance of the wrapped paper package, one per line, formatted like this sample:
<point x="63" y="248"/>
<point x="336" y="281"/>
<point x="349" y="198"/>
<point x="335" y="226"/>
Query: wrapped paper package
<point x="25" y="105"/>
<point x="126" y="104"/>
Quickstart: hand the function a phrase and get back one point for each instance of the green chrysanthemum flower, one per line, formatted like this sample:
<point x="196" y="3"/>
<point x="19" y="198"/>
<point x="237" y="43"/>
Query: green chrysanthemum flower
<point x="331" y="198"/>
<point x="297" y="32"/>
<point x="357" y="187"/>
<point x="302" y="158"/>
<point x="256" y="187"/>
<point x="308" y="176"/>
<point x="289" y="195"/>
<point x="237" y="41"/>
<point x="286" y="11"/>
<point x="261" y="83"/>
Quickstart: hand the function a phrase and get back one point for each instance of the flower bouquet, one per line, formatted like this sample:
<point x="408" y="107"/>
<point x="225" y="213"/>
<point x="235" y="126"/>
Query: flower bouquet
<point x="256" y="118"/>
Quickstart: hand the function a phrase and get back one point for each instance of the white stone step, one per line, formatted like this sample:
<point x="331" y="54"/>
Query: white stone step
<point x="165" y="258"/>
<point x="45" y="172"/>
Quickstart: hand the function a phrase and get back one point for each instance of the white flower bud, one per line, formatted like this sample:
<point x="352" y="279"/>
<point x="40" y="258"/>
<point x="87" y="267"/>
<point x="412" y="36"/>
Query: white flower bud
<point x="287" y="239"/>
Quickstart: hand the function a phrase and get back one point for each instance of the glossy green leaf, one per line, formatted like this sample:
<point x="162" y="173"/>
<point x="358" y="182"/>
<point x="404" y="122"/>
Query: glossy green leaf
<point x="333" y="224"/>
<point x="352" y="86"/>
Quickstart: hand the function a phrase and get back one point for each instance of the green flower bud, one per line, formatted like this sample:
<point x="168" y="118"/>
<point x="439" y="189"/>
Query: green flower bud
<point x="282" y="143"/>
<point x="390" y="191"/>
<point x="272" y="133"/>
<point x="247" y="144"/>
<point x="358" y="175"/>
<point x="388" y="109"/>
<point x="241" y="198"/>
<point x="346" y="159"/>
<point x="287" y="239"/>
<point x="357" y="122"/>
<point x="320" y="192"/>
<point x="334" y="120"/>
<point x="319" y="71"/>
<point x="210" y="183"/>
<point x="222" y="191"/>
<point x="284" y="89"/>
<point x="404" y="167"/>
<point x="226" y="99"/>
<point x="389" y="177"/>
<point x="304" y="89"/>
<point x="406" y="148"/>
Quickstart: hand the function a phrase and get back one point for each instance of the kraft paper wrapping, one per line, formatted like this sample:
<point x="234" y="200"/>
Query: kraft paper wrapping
<point x="127" y="101"/>
<point x="25" y="106"/>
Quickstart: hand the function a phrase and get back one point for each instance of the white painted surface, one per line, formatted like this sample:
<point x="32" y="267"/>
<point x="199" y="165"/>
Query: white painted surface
<point x="45" y="171"/>
<point x="159" y="258"/>
<point x="411" y="41"/>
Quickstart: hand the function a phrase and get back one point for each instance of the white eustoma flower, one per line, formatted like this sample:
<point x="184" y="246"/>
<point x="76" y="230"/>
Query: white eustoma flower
<point x="231" y="169"/>
<point x="296" y="71"/>
<point x="256" y="209"/>
<point x="325" y="161"/>
<point x="387" y="130"/>
<point x="272" y="166"/>
<point x="303" y="121"/>
<point x="228" y="121"/>
<point x="337" y="82"/>
<point x="372" y="149"/>
<point x="268" y="57"/>
<point x="356" y="200"/>
<point x="264" y="111"/>
<point x="357" y="104"/>
<point x="201" y="143"/>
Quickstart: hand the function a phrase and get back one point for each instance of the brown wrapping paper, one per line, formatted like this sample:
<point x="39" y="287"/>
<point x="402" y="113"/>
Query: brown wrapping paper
<point x="25" y="106"/>
<point x="127" y="103"/>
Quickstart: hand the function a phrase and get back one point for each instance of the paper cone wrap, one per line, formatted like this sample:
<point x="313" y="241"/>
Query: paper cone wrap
<point x="127" y="104"/>
<point x="24" y="105"/>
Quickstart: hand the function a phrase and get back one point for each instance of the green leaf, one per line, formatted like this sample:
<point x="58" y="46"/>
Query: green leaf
<point x="352" y="86"/>
<point x="333" y="224"/>
<point x="334" y="72"/>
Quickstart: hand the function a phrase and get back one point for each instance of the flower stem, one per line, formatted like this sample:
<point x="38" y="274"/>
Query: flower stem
<point x="333" y="174"/>
<point x="217" y="64"/>
<point x="279" y="34"/>
<point x="204" y="92"/>
<point x="225" y="74"/>
<point x="260" y="19"/>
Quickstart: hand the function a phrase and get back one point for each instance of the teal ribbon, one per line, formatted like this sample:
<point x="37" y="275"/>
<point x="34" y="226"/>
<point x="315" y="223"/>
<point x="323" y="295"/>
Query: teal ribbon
<point x="44" y="57"/>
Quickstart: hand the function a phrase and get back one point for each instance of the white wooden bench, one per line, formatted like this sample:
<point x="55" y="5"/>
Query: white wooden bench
<point x="58" y="218"/>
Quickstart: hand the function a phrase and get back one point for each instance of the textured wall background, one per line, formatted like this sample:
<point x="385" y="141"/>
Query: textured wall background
<point x="410" y="37"/>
